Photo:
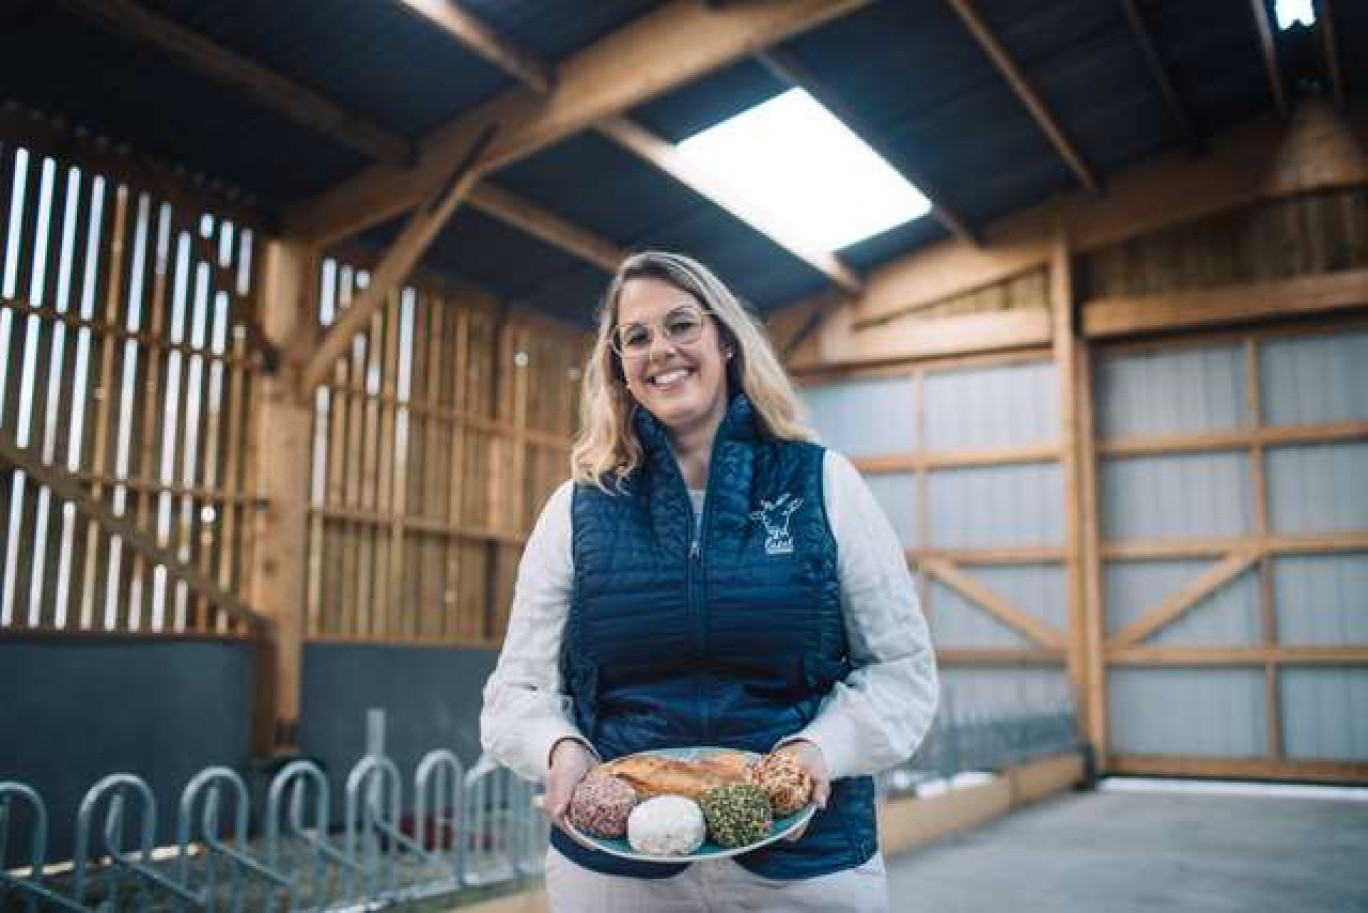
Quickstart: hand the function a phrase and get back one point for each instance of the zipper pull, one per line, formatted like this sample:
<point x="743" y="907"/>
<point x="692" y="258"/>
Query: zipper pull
<point x="693" y="550"/>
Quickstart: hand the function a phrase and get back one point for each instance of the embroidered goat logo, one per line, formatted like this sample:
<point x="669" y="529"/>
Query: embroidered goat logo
<point x="775" y="515"/>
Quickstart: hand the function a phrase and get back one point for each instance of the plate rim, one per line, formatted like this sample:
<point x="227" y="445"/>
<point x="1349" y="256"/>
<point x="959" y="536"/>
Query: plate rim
<point x="798" y="818"/>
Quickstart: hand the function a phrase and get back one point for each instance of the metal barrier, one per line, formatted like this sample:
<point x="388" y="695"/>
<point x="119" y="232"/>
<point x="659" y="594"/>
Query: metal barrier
<point x="468" y="829"/>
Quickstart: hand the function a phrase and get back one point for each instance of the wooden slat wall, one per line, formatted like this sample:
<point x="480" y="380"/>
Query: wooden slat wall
<point x="436" y="443"/>
<point x="123" y="362"/>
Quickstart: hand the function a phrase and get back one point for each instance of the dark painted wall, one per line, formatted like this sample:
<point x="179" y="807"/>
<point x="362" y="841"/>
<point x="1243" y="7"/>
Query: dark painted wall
<point x="72" y="712"/>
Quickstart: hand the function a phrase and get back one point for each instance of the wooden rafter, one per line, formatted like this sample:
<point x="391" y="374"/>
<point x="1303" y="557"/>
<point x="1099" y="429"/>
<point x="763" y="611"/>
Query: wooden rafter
<point x="542" y="223"/>
<point x="1003" y="609"/>
<point x="664" y="49"/>
<point x="788" y="69"/>
<point x="1135" y="20"/>
<point x="1044" y="118"/>
<point x="666" y="156"/>
<point x="302" y="105"/>
<point x="483" y="40"/>
<point x="1325" y="15"/>
<point x="1179" y="603"/>
<point x="73" y="491"/>
<point x="423" y="225"/>
<point x="1269" y="50"/>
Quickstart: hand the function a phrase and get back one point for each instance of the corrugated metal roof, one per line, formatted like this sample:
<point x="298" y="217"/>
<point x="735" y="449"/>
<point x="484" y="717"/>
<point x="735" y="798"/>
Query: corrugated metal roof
<point x="557" y="28"/>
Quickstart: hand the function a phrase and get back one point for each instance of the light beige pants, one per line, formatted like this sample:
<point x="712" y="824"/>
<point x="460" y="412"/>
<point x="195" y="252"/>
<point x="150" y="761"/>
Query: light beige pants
<point x="722" y="886"/>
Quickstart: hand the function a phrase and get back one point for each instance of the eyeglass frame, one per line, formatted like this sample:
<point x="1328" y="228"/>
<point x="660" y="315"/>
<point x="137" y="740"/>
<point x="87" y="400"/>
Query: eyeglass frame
<point x="652" y="328"/>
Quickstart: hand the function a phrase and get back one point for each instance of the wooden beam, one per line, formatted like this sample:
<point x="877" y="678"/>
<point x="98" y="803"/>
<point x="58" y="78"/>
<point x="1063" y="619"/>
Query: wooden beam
<point x="73" y="491"/>
<point x="544" y="224"/>
<point x="423" y="225"/>
<point x="1237" y="656"/>
<point x="1140" y="31"/>
<point x="1243" y="768"/>
<point x="950" y="459"/>
<point x="1268" y="158"/>
<point x="1044" y="118"/>
<point x="787" y="68"/>
<point x="1325" y="15"/>
<point x="1094" y="605"/>
<point x="1002" y="609"/>
<point x="1021" y="554"/>
<point x="477" y="36"/>
<point x="994" y="331"/>
<point x="1180" y="602"/>
<point x="266" y="86"/>
<point x="667" y="157"/>
<point x="1130" y="314"/>
<point x="1315" y="544"/>
<point x="654" y="54"/>
<point x="1269" y="50"/>
<point x="1199" y="441"/>
<point x="280" y="460"/>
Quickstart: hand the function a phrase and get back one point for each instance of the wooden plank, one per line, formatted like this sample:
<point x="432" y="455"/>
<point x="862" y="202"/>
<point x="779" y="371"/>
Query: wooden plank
<point x="1094" y="707"/>
<point x="998" y="606"/>
<point x="69" y="491"/>
<point x="950" y="459"/>
<point x="1237" y="656"/>
<point x="667" y="157"/>
<point x="1319" y="543"/>
<point x="423" y="225"/>
<point x="1267" y="158"/>
<point x="649" y="57"/>
<point x="1035" y="554"/>
<point x="1135" y="21"/>
<point x="1241" y="768"/>
<point x="1040" y="112"/>
<point x="1062" y="314"/>
<point x="787" y="68"/>
<point x="1255" y="416"/>
<point x="265" y="85"/>
<point x="1346" y="290"/>
<point x="1270" y="55"/>
<point x="496" y="48"/>
<point x="1325" y="16"/>
<point x="542" y="223"/>
<point x="455" y="572"/>
<point x="1180" y="602"/>
<point x="842" y="346"/>
<point x="1261" y="437"/>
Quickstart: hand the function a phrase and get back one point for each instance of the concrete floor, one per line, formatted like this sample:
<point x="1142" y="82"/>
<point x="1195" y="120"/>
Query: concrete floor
<point x="1124" y="852"/>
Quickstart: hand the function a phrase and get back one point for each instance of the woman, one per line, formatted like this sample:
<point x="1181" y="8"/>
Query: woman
<point x="709" y="577"/>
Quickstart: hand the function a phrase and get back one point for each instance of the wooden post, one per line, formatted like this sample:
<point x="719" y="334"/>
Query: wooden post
<point x="282" y="463"/>
<point x="1095" y="706"/>
<point x="1065" y="341"/>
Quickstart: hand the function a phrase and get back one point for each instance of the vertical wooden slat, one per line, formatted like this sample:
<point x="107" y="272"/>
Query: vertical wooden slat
<point x="922" y="518"/>
<point x="456" y="571"/>
<point x="1095" y="705"/>
<point x="356" y="371"/>
<point x="370" y="475"/>
<point x="387" y="538"/>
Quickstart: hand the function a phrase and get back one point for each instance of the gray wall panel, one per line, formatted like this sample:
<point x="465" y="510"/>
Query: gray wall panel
<point x="896" y="493"/>
<point x="1318" y="488"/>
<point x="1314" y="378"/>
<point x="993" y="506"/>
<point x="1231" y="616"/>
<point x="1003" y="690"/>
<point x="1187" y="711"/>
<point x="1324" y="713"/>
<point x="958" y="622"/>
<point x="863" y="418"/>
<point x="1007" y="406"/>
<point x="1190" y="389"/>
<point x="1184" y="495"/>
<point x="1321" y="600"/>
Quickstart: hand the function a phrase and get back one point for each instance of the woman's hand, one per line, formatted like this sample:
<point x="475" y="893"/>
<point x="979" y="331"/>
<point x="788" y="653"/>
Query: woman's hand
<point x="809" y="757"/>
<point x="570" y="762"/>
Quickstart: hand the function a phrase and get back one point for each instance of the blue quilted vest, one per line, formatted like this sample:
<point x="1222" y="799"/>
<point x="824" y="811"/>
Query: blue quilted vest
<point x="731" y="638"/>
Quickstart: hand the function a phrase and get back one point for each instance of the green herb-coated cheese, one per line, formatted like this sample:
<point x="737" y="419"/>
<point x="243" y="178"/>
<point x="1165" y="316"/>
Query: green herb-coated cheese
<point x="737" y="814"/>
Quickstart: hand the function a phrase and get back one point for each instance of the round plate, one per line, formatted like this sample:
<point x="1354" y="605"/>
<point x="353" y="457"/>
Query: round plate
<point x="780" y="829"/>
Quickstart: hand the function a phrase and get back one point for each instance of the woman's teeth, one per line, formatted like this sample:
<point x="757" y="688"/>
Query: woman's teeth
<point x="670" y="377"/>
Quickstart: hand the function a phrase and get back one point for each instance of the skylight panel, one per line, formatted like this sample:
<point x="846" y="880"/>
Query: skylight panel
<point x="1293" y="12"/>
<point x="792" y="163"/>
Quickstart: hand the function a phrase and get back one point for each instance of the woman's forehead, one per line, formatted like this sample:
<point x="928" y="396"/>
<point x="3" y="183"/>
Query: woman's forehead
<point x="645" y="299"/>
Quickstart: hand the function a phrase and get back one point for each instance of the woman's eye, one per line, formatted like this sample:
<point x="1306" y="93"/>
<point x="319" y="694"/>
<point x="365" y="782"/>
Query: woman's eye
<point x="634" y="336"/>
<point x="680" y="326"/>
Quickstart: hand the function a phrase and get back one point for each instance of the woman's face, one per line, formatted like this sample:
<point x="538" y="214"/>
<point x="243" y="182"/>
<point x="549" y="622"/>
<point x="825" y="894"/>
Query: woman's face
<point x="681" y="380"/>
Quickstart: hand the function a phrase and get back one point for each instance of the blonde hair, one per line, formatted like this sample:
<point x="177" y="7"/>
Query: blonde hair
<point x="607" y="445"/>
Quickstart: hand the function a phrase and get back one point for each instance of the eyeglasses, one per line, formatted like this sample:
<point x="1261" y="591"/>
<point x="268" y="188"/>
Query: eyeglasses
<point x="682" y="326"/>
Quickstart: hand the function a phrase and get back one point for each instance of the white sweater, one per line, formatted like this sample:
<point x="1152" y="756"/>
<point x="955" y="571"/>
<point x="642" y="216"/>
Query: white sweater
<point x="874" y="719"/>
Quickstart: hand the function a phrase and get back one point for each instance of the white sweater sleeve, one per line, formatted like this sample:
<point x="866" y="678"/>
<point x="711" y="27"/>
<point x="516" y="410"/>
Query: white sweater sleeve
<point x="525" y="708"/>
<point x="878" y="716"/>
